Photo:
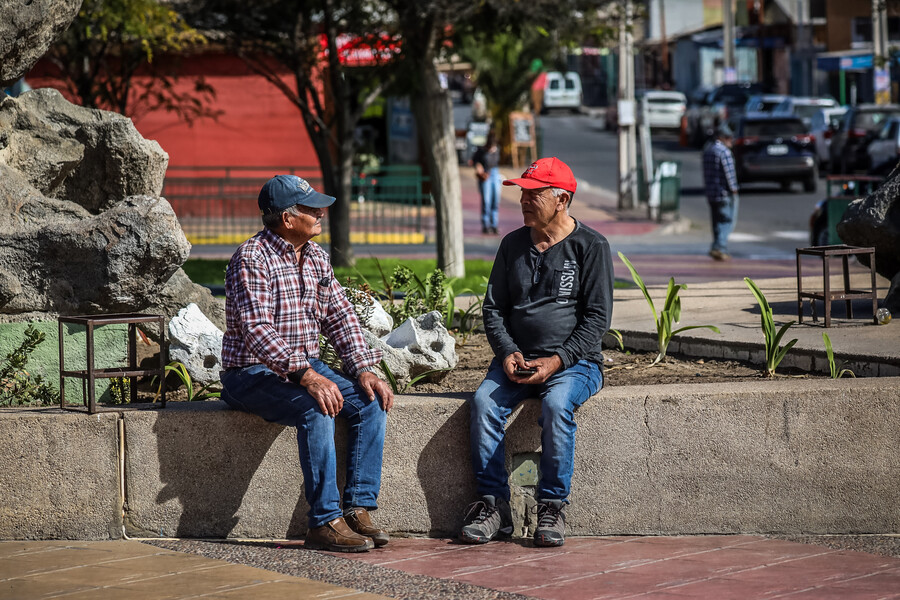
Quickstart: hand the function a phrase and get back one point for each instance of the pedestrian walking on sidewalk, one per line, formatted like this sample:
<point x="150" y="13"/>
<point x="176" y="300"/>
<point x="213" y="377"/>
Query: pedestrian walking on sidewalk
<point x="486" y="161"/>
<point x="280" y="294"/>
<point x="721" y="190"/>
<point x="548" y="305"/>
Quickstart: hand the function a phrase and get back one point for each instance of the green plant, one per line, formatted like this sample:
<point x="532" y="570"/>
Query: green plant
<point x="774" y="352"/>
<point x="669" y="315"/>
<point x="181" y="371"/>
<point x="120" y="390"/>
<point x="19" y="387"/>
<point x="618" y="336"/>
<point x="836" y="369"/>
<point x="395" y="385"/>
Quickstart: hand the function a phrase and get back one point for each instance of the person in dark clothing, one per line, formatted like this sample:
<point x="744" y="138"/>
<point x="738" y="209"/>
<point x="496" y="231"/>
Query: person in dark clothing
<point x="721" y="185"/>
<point x="548" y="305"/>
<point x="486" y="161"/>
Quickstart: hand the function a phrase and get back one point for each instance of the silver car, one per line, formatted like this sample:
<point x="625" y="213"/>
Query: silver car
<point x="884" y="149"/>
<point x="804" y="107"/>
<point x="822" y="126"/>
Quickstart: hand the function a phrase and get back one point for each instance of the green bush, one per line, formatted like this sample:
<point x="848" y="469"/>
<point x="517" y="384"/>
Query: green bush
<point x="18" y="387"/>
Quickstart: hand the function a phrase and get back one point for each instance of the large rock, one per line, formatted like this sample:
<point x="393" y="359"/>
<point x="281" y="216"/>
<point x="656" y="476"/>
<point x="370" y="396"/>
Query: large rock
<point x="27" y="28"/>
<point x="416" y="347"/>
<point x="875" y="221"/>
<point x="178" y="292"/>
<point x="197" y="343"/>
<point x="56" y="257"/>
<point x="88" y="156"/>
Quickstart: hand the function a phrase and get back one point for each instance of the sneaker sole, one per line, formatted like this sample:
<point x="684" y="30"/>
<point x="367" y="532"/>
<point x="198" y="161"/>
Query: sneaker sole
<point x="469" y="538"/>
<point x="545" y="542"/>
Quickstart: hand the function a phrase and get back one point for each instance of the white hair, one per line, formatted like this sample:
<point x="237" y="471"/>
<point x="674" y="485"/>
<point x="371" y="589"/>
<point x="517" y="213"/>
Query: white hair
<point x="558" y="191"/>
<point x="273" y="220"/>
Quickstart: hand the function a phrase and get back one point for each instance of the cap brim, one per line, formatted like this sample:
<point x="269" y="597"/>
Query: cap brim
<point x="528" y="184"/>
<point x="317" y="200"/>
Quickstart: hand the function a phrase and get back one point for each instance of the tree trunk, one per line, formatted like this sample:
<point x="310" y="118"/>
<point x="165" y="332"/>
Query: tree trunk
<point x="339" y="213"/>
<point x="434" y="116"/>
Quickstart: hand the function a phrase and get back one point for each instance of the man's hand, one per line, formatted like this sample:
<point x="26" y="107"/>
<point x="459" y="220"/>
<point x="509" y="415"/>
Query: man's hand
<point x="373" y="385"/>
<point x="546" y="366"/>
<point x="325" y="392"/>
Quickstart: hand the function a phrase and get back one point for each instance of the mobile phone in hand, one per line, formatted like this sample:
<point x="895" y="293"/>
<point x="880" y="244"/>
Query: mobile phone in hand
<point x="525" y="370"/>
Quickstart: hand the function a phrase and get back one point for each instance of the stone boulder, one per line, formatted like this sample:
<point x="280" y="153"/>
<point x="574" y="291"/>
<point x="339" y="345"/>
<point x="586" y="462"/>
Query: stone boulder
<point x="875" y="221"/>
<point x="416" y="347"/>
<point x="197" y="343"/>
<point x="91" y="157"/>
<point x="27" y="28"/>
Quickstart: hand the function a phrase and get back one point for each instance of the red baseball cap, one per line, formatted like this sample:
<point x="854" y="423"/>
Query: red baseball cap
<point x="546" y="172"/>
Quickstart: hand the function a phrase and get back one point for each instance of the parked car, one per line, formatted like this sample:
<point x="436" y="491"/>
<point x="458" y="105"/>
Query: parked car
<point x="822" y="126"/>
<point x="884" y="149"/>
<point x="562" y="90"/>
<point x="763" y="102"/>
<point x="774" y="148"/>
<point x="696" y="103"/>
<point x="855" y="131"/>
<point x="722" y="104"/>
<point x="804" y="107"/>
<point x="664" y="108"/>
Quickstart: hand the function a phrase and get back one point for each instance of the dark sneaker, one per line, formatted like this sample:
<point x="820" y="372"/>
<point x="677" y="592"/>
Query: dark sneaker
<point x="336" y="536"/>
<point x="551" y="527"/>
<point x="360" y="521"/>
<point x="485" y="519"/>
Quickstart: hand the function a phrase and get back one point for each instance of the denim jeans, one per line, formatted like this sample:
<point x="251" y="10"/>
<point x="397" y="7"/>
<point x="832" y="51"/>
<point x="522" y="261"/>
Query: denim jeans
<point x="259" y="391"/>
<point x="724" y="217"/>
<point x="492" y="404"/>
<point x="490" y="198"/>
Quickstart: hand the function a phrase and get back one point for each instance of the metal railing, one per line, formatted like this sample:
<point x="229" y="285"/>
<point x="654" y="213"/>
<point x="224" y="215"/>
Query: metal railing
<point x="218" y="205"/>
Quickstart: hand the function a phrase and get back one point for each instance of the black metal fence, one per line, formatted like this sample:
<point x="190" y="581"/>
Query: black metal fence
<point x="217" y="205"/>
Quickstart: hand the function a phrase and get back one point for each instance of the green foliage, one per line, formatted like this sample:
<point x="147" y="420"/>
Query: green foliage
<point x="618" y="336"/>
<point x="395" y="385"/>
<point x="774" y="352"/>
<point x="18" y="387"/>
<point x="670" y="314"/>
<point x="836" y="369"/>
<point x="120" y="390"/>
<point x="111" y="40"/>
<point x="192" y="395"/>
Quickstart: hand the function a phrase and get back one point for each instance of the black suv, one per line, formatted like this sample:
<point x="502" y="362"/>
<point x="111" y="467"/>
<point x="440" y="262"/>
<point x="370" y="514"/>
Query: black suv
<point x="776" y="148"/>
<point x="857" y="128"/>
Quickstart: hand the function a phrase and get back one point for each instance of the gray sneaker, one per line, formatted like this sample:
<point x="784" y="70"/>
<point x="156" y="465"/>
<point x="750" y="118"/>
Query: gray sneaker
<point x="551" y="527"/>
<point x="485" y="519"/>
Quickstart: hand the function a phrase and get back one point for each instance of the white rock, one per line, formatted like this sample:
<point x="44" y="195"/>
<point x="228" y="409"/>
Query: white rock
<point x="417" y="346"/>
<point x="196" y="342"/>
<point x="380" y="322"/>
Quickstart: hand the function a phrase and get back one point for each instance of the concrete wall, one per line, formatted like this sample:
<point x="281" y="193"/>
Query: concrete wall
<point x="775" y="456"/>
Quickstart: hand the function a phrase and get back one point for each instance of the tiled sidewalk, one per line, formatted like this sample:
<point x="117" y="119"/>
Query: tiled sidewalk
<point x="707" y="567"/>
<point x="127" y="570"/>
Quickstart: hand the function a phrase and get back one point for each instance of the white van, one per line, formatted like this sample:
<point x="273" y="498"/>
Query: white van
<point x="562" y="90"/>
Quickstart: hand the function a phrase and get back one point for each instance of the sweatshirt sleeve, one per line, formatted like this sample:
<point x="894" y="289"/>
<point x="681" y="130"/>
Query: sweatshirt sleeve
<point x="597" y="298"/>
<point x="496" y="306"/>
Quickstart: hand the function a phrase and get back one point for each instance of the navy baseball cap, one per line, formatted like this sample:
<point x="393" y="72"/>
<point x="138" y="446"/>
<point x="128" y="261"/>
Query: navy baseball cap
<point x="285" y="191"/>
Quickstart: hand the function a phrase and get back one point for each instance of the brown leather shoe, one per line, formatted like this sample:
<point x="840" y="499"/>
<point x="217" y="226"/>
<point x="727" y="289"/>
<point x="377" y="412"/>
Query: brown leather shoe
<point x="336" y="536"/>
<point x="359" y="521"/>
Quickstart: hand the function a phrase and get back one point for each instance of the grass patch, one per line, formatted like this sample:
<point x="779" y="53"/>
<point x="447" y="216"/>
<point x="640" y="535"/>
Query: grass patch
<point x="206" y="271"/>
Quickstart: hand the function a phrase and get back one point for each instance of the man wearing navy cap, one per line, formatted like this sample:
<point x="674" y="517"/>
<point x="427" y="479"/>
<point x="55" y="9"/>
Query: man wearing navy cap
<point x="548" y="305"/>
<point x="280" y="294"/>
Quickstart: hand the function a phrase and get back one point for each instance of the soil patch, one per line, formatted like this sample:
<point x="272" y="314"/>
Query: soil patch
<point x="622" y="368"/>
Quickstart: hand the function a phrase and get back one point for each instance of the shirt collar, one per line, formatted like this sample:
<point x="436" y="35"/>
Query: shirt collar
<point x="278" y="243"/>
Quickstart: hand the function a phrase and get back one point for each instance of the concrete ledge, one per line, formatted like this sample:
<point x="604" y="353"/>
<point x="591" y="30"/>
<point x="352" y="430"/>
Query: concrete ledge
<point x="786" y="456"/>
<point x="59" y="476"/>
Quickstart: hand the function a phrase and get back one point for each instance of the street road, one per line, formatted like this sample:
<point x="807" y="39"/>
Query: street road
<point x="771" y="223"/>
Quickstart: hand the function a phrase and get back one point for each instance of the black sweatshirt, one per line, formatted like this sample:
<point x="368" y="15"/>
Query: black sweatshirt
<point x="569" y="308"/>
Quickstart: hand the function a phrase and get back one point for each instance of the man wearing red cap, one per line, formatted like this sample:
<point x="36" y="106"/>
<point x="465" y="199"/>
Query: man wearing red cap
<point x="548" y="305"/>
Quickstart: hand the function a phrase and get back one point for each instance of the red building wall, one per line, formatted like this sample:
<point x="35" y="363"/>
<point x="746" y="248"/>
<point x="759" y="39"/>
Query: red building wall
<point x="258" y="125"/>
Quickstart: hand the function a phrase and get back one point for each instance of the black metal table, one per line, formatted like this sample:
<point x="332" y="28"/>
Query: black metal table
<point x="89" y="375"/>
<point x="827" y="295"/>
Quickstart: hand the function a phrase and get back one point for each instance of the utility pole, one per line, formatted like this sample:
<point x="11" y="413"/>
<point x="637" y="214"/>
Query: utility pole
<point x="729" y="73"/>
<point x="627" y="113"/>
<point x="665" y="42"/>
<point x="881" y="61"/>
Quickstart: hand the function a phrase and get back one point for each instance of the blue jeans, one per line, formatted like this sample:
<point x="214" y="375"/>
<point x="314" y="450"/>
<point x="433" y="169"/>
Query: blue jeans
<point x="492" y="404"/>
<point x="490" y="198"/>
<point x="724" y="217"/>
<point x="259" y="391"/>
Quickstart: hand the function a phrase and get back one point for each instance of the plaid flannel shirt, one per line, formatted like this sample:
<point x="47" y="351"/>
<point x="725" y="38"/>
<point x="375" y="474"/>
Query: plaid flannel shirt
<point x="275" y="309"/>
<point x="718" y="172"/>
